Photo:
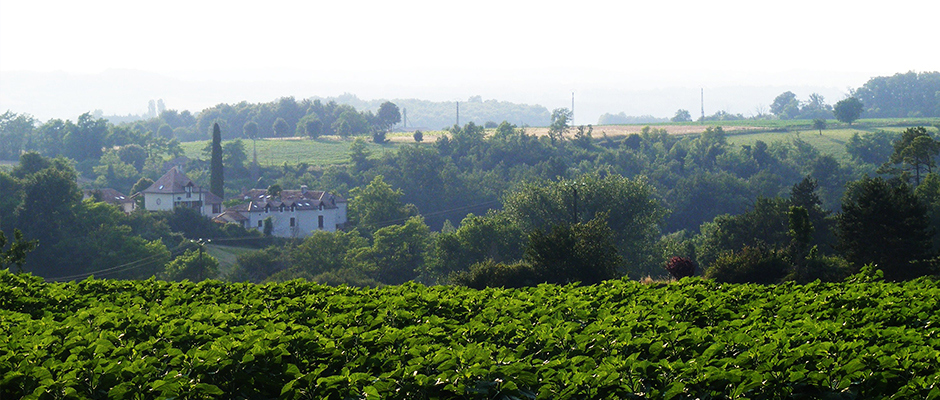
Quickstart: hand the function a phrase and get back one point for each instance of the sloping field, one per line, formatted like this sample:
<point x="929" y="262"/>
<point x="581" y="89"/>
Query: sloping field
<point x="621" y="339"/>
<point x="623" y="130"/>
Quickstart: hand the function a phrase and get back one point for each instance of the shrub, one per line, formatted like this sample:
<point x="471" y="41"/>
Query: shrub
<point x="378" y="137"/>
<point x="750" y="265"/>
<point x="680" y="267"/>
<point x="492" y="274"/>
<point x="823" y="268"/>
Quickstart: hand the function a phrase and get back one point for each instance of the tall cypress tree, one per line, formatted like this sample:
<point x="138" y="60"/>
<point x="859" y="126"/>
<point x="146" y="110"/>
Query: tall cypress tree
<point x="216" y="181"/>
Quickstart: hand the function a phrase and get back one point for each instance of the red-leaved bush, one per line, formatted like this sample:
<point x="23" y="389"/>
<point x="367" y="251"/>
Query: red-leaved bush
<point x="680" y="267"/>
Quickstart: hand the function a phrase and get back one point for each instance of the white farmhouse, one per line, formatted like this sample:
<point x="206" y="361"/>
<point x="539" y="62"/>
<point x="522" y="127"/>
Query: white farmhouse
<point x="174" y="189"/>
<point x="293" y="213"/>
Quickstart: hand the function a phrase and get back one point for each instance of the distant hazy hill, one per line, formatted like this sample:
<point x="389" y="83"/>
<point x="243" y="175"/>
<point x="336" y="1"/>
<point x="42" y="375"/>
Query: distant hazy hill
<point x="424" y="114"/>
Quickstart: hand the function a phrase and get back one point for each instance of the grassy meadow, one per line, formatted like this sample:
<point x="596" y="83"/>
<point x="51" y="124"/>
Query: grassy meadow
<point x="324" y="151"/>
<point x="227" y="255"/>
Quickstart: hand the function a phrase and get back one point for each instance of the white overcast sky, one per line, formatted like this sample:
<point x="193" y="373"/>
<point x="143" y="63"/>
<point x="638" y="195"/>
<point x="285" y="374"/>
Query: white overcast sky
<point x="531" y="51"/>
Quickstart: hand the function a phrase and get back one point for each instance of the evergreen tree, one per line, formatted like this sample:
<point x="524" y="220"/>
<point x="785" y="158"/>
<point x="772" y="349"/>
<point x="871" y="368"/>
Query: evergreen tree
<point x="915" y="150"/>
<point x="886" y="225"/>
<point x="216" y="180"/>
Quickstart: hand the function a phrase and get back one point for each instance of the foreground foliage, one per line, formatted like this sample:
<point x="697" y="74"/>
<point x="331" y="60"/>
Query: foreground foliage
<point x="619" y="339"/>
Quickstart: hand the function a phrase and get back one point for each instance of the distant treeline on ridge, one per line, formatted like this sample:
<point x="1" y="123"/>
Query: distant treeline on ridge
<point x="342" y="115"/>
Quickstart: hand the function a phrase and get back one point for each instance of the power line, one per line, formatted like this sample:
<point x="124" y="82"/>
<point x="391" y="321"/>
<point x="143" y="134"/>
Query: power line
<point x="123" y="267"/>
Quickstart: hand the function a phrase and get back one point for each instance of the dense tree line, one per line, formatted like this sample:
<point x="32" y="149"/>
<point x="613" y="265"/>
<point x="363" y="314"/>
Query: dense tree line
<point x="731" y="208"/>
<point x="910" y="94"/>
<point x="424" y="114"/>
<point x="787" y="106"/>
<point x="482" y="208"/>
<point x="78" y="237"/>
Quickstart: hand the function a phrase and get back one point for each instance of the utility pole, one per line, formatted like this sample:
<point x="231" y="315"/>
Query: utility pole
<point x="458" y="113"/>
<point x="572" y="108"/>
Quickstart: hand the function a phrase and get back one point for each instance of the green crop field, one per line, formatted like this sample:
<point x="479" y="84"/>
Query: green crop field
<point x="807" y="124"/>
<point x="292" y="151"/>
<point x="829" y="141"/>
<point x="692" y="339"/>
<point x="330" y="151"/>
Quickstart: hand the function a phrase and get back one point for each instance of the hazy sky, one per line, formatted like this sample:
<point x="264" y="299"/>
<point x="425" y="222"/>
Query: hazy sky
<point x="534" y="52"/>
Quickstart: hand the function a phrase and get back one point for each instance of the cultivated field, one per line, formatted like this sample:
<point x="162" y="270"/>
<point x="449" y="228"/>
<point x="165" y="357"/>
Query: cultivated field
<point x="623" y="130"/>
<point x="98" y="339"/>
<point x="330" y="150"/>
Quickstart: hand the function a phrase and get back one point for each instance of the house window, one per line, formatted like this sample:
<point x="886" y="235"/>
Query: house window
<point x="293" y="221"/>
<point x="216" y="208"/>
<point x="260" y="223"/>
<point x="320" y="221"/>
<point x="189" y="192"/>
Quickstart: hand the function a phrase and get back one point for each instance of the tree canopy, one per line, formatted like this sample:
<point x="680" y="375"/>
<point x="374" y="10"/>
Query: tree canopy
<point x="848" y="110"/>
<point x="885" y="224"/>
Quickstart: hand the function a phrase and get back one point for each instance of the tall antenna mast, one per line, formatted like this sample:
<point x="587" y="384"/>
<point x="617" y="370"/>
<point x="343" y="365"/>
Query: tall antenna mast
<point x="572" y="107"/>
<point x="703" y="105"/>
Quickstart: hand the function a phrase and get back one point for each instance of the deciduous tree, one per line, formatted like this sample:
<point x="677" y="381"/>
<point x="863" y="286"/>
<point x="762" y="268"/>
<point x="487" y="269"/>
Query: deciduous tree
<point x="397" y="251"/>
<point x="819" y="124"/>
<point x="559" y="126"/>
<point x="579" y="252"/>
<point x="376" y="205"/>
<point x="194" y="265"/>
<point x="388" y="115"/>
<point x="848" y="110"/>
<point x="682" y="116"/>
<point x="785" y="106"/>
<point x="281" y="128"/>
<point x="628" y="206"/>
<point x="15" y="255"/>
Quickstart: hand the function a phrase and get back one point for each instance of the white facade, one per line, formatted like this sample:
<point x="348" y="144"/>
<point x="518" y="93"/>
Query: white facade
<point x="175" y="190"/>
<point x="297" y="222"/>
<point x="293" y="213"/>
<point x="169" y="201"/>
